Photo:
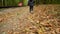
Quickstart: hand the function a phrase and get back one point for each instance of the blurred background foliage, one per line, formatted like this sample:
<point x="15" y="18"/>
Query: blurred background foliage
<point x="25" y="2"/>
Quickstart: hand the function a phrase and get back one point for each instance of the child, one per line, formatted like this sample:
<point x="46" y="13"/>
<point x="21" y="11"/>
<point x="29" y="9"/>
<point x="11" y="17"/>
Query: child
<point x="31" y="4"/>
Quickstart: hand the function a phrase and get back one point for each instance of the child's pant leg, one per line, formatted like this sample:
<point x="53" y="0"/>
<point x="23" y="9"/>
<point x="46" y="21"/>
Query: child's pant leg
<point x="31" y="8"/>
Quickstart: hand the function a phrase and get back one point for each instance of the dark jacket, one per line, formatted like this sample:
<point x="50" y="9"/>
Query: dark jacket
<point x="31" y="3"/>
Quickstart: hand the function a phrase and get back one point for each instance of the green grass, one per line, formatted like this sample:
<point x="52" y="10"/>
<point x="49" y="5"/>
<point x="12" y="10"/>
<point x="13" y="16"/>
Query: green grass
<point x="15" y="2"/>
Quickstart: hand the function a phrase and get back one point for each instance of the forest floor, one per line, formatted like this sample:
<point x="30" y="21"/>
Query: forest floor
<point x="45" y="19"/>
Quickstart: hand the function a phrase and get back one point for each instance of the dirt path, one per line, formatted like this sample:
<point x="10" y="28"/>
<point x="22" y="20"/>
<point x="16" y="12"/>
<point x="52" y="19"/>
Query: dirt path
<point x="10" y="16"/>
<point x="44" y="20"/>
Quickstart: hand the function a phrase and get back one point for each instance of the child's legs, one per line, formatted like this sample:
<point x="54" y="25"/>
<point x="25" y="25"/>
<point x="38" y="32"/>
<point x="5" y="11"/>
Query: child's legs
<point x="31" y="8"/>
